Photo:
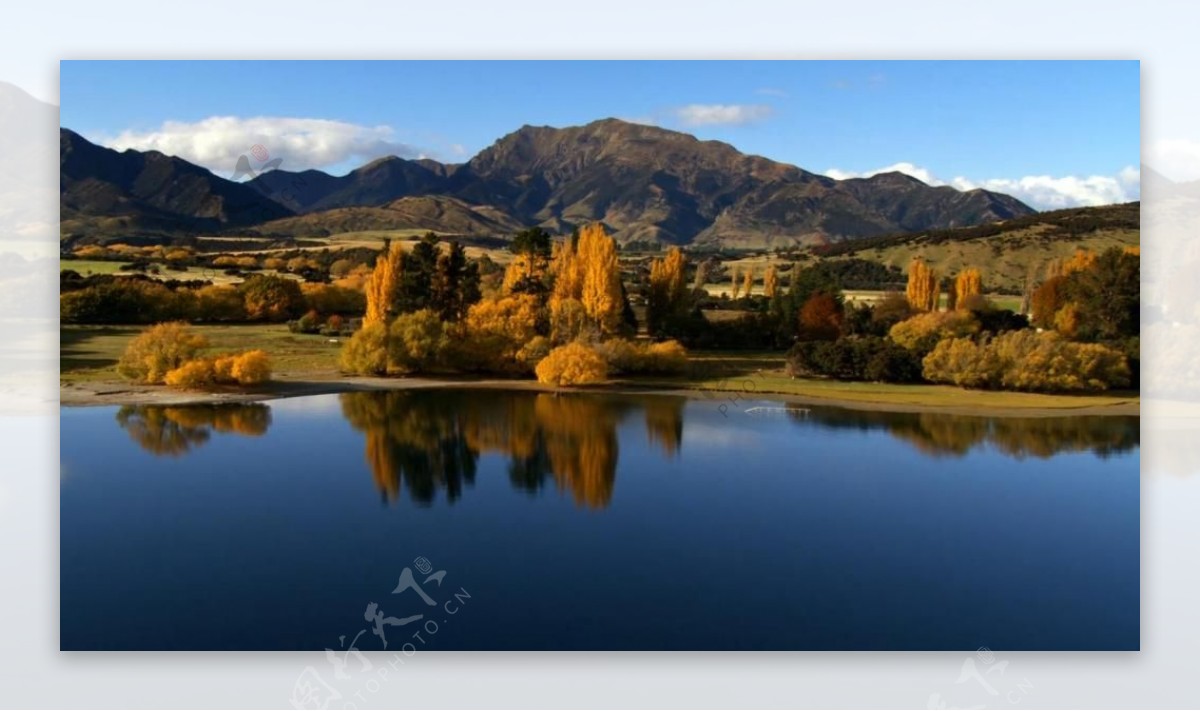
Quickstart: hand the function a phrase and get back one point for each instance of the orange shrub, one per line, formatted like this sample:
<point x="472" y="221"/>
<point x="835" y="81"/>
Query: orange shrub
<point x="572" y="364"/>
<point x="159" y="350"/>
<point x="194" y="374"/>
<point x="252" y="367"/>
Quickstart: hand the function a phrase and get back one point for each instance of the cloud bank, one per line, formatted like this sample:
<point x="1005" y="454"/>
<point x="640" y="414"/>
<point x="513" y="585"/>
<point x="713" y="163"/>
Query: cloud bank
<point x="1043" y="192"/>
<point x="721" y="114"/>
<point x="297" y="143"/>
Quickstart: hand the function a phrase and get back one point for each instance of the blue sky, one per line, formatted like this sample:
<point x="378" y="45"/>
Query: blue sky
<point x="1051" y="133"/>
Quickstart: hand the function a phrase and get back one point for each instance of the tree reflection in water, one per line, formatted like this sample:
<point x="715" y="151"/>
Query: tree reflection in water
<point x="429" y="441"/>
<point x="425" y="441"/>
<point x="176" y="430"/>
<point x="939" y="434"/>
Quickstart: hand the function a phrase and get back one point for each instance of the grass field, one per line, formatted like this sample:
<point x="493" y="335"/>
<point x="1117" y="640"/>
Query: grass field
<point x="1005" y="260"/>
<point x="90" y="353"/>
<point x="87" y="267"/>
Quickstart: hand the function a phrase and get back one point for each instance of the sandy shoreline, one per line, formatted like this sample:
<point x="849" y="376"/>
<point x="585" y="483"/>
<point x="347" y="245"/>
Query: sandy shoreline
<point x="117" y="393"/>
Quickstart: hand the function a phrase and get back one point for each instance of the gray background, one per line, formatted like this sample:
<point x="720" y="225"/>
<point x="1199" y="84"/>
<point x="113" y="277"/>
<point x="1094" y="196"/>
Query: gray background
<point x="34" y="36"/>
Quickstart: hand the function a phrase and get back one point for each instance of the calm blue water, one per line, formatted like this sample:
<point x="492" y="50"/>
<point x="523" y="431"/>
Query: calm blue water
<point x="593" y="522"/>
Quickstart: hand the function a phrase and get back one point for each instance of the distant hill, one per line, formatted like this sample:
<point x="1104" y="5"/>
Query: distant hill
<point x="1007" y="251"/>
<point x="102" y="190"/>
<point x="376" y="183"/>
<point x="647" y="184"/>
<point x="435" y="213"/>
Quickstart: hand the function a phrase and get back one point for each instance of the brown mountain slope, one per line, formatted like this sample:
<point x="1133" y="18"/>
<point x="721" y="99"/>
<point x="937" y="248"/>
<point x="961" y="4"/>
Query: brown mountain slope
<point x="649" y="183"/>
<point x="435" y="213"/>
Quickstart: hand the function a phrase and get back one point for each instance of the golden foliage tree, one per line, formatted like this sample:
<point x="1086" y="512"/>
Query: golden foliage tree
<point x="922" y="289"/>
<point x="735" y="284"/>
<point x="668" y="291"/>
<point x="748" y="282"/>
<point x="383" y="285"/>
<point x="601" y="284"/>
<point x="770" y="282"/>
<point x="1047" y="299"/>
<point x="495" y="331"/>
<point x="968" y="283"/>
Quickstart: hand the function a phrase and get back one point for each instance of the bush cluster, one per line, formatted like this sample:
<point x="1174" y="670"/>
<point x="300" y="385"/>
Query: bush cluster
<point x="1027" y="360"/>
<point x="169" y="353"/>
<point x="261" y="297"/>
<point x="855" y="358"/>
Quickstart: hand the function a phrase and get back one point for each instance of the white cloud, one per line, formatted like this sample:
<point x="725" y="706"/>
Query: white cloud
<point x="298" y="143"/>
<point x="642" y="120"/>
<point x="915" y="171"/>
<point x="721" y="114"/>
<point x="1043" y="192"/>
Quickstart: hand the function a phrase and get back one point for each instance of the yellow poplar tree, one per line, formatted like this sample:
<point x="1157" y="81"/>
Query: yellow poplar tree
<point x="922" y="289"/>
<point x="566" y="309"/>
<point x="667" y="287"/>
<point x="735" y="285"/>
<point x="666" y="276"/>
<point x="601" y="287"/>
<point x="770" y="282"/>
<point x="969" y="282"/>
<point x="568" y="277"/>
<point x="748" y="281"/>
<point x="382" y="285"/>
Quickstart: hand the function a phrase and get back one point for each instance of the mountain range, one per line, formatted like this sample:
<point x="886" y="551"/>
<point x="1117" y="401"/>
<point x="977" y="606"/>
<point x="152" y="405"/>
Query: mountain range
<point x="645" y="183"/>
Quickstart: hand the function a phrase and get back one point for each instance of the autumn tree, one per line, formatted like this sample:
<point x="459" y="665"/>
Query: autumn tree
<point x="1107" y="296"/>
<point x="968" y="283"/>
<point x="495" y="331"/>
<point x="922" y="289"/>
<point x="1047" y="300"/>
<point x="735" y="284"/>
<point x="526" y="274"/>
<point x="667" y="293"/>
<point x="272" y="298"/>
<point x="820" y="317"/>
<point x="770" y="282"/>
<point x="748" y="282"/>
<point x="383" y="285"/>
<point x="588" y="272"/>
<point x="417" y="341"/>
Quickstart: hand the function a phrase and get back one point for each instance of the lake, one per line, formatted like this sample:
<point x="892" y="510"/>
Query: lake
<point x="469" y="519"/>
